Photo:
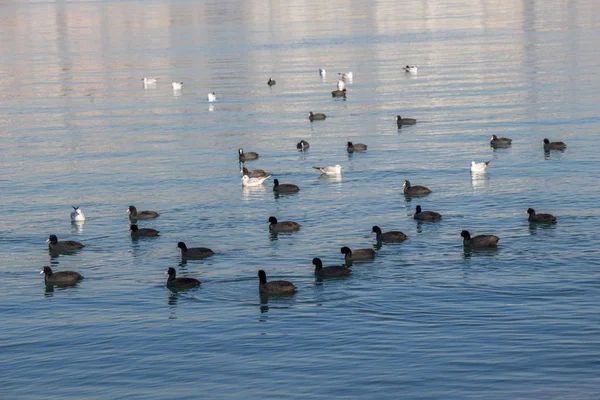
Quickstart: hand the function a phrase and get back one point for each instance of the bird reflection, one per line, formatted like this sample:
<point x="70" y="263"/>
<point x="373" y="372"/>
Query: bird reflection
<point x="330" y="177"/>
<point x="77" y="226"/>
<point x="479" y="180"/>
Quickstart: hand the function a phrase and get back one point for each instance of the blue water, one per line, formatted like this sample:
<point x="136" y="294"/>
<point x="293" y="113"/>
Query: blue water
<point x="424" y="319"/>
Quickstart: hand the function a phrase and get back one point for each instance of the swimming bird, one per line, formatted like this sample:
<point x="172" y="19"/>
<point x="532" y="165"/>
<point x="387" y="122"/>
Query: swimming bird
<point x="330" y="170"/>
<point x="177" y="85"/>
<point x="351" y="147"/>
<point x="142" y="232"/>
<point x="339" y="93"/>
<point x="411" y="68"/>
<point x="332" y="271"/>
<point x="60" y="278"/>
<point x="322" y="72"/>
<point x="479" y="166"/>
<point x="283" y="226"/>
<point x="134" y="214"/>
<point x="77" y="215"/>
<point x="212" y="96"/>
<point x="426" y="215"/>
<point x="414" y="190"/>
<point x="284" y="187"/>
<point x="479" y="241"/>
<point x="274" y="287"/>
<point x="543" y="218"/>
<point x="180" y="283"/>
<point x="62" y="246"/>
<point x="247" y="156"/>
<point x="303" y="145"/>
<point x="405" y="121"/>
<point x="255" y="173"/>
<point x="254" y="181"/>
<point x="316" y="116"/>
<point x="391" y="236"/>
<point x="271" y="82"/>
<point x="496" y="141"/>
<point x="347" y="76"/>
<point x="194" y="252"/>
<point x="548" y="145"/>
<point x="149" y="81"/>
<point x="341" y="85"/>
<point x="358" y="254"/>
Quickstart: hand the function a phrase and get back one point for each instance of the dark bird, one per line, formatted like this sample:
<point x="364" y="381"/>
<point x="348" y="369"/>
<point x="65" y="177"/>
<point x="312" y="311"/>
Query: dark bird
<point x="358" y="254"/>
<point x="333" y="271"/>
<point x="495" y="141"/>
<point x="479" y="241"/>
<point x="548" y="145"/>
<point x="255" y="173"/>
<point x="60" y="278"/>
<point x="317" y="116"/>
<point x="180" y="283"/>
<point x="247" y="156"/>
<point x="543" y="218"/>
<point x="142" y="232"/>
<point x="405" y="121"/>
<point x="62" y="246"/>
<point x="339" y="93"/>
<point x="135" y="214"/>
<point x="414" y="190"/>
<point x="283" y="226"/>
<point x="303" y="145"/>
<point x="391" y="236"/>
<point x="284" y="187"/>
<point x="194" y="252"/>
<point x="355" y="147"/>
<point x="426" y="215"/>
<point x="271" y="82"/>
<point x="274" y="287"/>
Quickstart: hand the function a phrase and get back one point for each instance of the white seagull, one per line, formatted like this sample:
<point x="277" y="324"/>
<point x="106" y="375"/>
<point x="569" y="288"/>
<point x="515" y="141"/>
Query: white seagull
<point x="347" y="76"/>
<point x="177" y="85"/>
<point x="341" y="85"/>
<point x="322" y="72"/>
<point x="212" y="96"/>
<point x="77" y="215"/>
<point x="247" y="181"/>
<point x="149" y="81"/>
<point x="330" y="170"/>
<point x="411" y="68"/>
<point x="479" y="166"/>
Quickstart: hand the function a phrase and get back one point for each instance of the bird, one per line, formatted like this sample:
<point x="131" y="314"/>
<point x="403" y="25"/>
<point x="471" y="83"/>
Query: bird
<point x="414" y="190"/>
<point x="62" y="246"/>
<point x="284" y="187"/>
<point x="391" y="236"/>
<point x="274" y="287"/>
<point x="347" y="76"/>
<point x="60" y="278"/>
<point x="212" y="96"/>
<point x="426" y="215"/>
<point x="271" y="82"/>
<point x="247" y="156"/>
<point x="316" y="116"/>
<point x="479" y="166"/>
<point x="543" y="218"/>
<point x="253" y="181"/>
<point x="340" y="85"/>
<point x="405" y="121"/>
<point x="358" y="254"/>
<point x="180" y="283"/>
<point x="322" y="72"/>
<point x="339" y="93"/>
<point x="177" y="85"/>
<point x="479" y="241"/>
<point x="194" y="252"/>
<point x="303" y="145"/>
<point x="411" y="68"/>
<point x="351" y="147"/>
<point x="77" y="215"/>
<point x="142" y="232"/>
<point x="149" y="81"/>
<point x="255" y="173"/>
<point x="283" y="226"/>
<point x="332" y="271"/>
<point x="330" y="170"/>
<point x="495" y="141"/>
<point x="134" y="214"/>
<point x="548" y="145"/>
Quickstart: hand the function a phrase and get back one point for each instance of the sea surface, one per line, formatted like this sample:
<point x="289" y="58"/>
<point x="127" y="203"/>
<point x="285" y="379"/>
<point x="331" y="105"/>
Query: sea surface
<point x="425" y="319"/>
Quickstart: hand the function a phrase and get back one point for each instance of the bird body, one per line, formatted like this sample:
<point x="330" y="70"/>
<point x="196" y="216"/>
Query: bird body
<point x="180" y="283"/>
<point x="411" y="68"/>
<point x="255" y="173"/>
<point x="274" y="287"/>
<point x="414" y="190"/>
<point x="271" y="82"/>
<point x="316" y="116"/>
<point x="303" y="145"/>
<point x="426" y="215"/>
<point x="548" y="145"/>
<point x="60" y="278"/>
<point x="332" y="271"/>
<point x="330" y="170"/>
<point x="339" y="93"/>
<point x="542" y="218"/>
<point x="346" y="76"/>
<point x="284" y="187"/>
<point x="177" y="85"/>
<point x="283" y="226"/>
<point x="391" y="236"/>
<point x="249" y="156"/>
<point x="322" y="72"/>
<point x="135" y="214"/>
<point x="479" y="241"/>
<point x="352" y="147"/>
<point x="194" y="252"/>
<point x="149" y="81"/>
<point x="405" y="121"/>
<point x="77" y="215"/>
<point x="253" y="181"/>
<point x="63" y="245"/>
<point x="142" y="232"/>
<point x="358" y="254"/>
<point x="496" y="141"/>
<point x="212" y="96"/>
<point x="479" y="166"/>
<point x="341" y="85"/>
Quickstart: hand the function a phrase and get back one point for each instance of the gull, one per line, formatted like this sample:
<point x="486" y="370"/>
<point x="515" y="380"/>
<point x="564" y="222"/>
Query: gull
<point x="479" y="166"/>
<point x="177" y="85"/>
<point x="322" y="72"/>
<point x="149" y="81"/>
<point x="341" y="85"/>
<point x="347" y="76"/>
<point x="212" y="96"/>
<point x="247" y="181"/>
<point x="77" y="215"/>
<point x="330" y="170"/>
<point x="411" y="68"/>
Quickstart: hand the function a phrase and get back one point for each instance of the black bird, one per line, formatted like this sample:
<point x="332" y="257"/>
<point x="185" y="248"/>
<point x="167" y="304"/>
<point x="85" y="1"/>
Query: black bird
<point x="543" y="218"/>
<point x="62" y="246"/>
<point x="180" y="283"/>
<point x="271" y="82"/>
<point x="60" y="278"/>
<point x="274" y="287"/>
<point x="479" y="241"/>
<point x="333" y="271"/>
<point x="135" y="214"/>
<point x="194" y="252"/>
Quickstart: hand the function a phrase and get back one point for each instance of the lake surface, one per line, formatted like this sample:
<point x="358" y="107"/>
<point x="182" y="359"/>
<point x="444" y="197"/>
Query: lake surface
<point x="424" y="319"/>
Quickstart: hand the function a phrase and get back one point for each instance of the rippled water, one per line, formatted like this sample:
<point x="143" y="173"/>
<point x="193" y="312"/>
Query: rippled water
<point x="425" y="319"/>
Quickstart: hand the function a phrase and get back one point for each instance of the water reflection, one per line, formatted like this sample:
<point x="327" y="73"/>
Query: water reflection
<point x="331" y="178"/>
<point x="479" y="180"/>
<point x="77" y="226"/>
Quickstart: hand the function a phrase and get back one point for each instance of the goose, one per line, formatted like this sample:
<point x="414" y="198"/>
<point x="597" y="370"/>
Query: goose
<point x="479" y="241"/>
<point x="249" y="156"/>
<point x="316" y="116"/>
<point x="60" y="278"/>
<point x="339" y="93"/>
<point x="391" y="236"/>
<point x="330" y="170"/>
<point x="479" y="166"/>
<point x="543" y="218"/>
<point x="303" y="145"/>
<point x="283" y="226"/>
<point x="180" y="283"/>
<point x="194" y="252"/>
<point x="274" y="287"/>
<point x="284" y="187"/>
<point x="426" y="215"/>
<point x="496" y="141"/>
<point x="352" y="147"/>
<point x="414" y="190"/>
<point x="405" y="121"/>
<point x="77" y="215"/>
<point x="271" y="82"/>
<point x="134" y="214"/>
<point x="332" y="271"/>
<point x="548" y="145"/>
<point x="62" y="246"/>
<point x="142" y="232"/>
<point x="212" y="96"/>
<point x="358" y="254"/>
<point x="253" y="181"/>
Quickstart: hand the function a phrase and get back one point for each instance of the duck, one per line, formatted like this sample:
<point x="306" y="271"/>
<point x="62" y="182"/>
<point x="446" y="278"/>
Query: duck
<point x="346" y="76"/>
<point x="303" y="145"/>
<point x="358" y="254"/>
<point x="194" y="252"/>
<point x="339" y="93"/>
<point x="414" y="190"/>
<point x="426" y="215"/>
<point x="60" y="278"/>
<point x="548" y="145"/>
<point x="330" y="170"/>
<point x="283" y="226"/>
<point x="149" y="81"/>
<point x="142" y="232"/>
<point x="479" y="166"/>
<point x="543" y="218"/>
<point x="405" y="121"/>
<point x="479" y="241"/>
<point x="496" y="141"/>
<point x="411" y="68"/>
<point x="253" y="181"/>
<point x="249" y="156"/>
<point x="391" y="236"/>
<point x="271" y="82"/>
<point x="322" y="72"/>
<point x="180" y="283"/>
<point x="255" y="173"/>
<point x="284" y="187"/>
<point x="351" y="147"/>
<point x="77" y="215"/>
<point x="135" y="214"/>
<point x="316" y="116"/>
<point x="274" y="287"/>
<point x="332" y="271"/>
<point x="62" y="246"/>
<point x="177" y="85"/>
<point x="212" y="96"/>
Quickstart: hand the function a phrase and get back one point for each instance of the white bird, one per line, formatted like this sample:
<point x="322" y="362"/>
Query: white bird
<point x="247" y="181"/>
<point x="347" y="76"/>
<point x="330" y="170"/>
<point x="322" y="72"/>
<point x="411" y="68"/>
<point x="77" y="214"/>
<point x="212" y="96"/>
<point x="149" y="81"/>
<point x="479" y="166"/>
<point x="177" y="85"/>
<point x="341" y="85"/>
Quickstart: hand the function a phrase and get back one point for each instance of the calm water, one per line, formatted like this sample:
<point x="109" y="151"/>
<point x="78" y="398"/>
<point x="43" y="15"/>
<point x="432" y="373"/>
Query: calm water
<point x="425" y="319"/>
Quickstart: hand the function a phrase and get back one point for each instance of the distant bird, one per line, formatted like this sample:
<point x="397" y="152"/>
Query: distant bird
<point x="358" y="254"/>
<point x="77" y="215"/>
<point x="194" y="252"/>
<point x="542" y="218"/>
<point x="347" y="76"/>
<point x="411" y="68"/>
<point x="60" y="278"/>
<point x="391" y="236"/>
<point x="352" y="147"/>
<point x="284" y="187"/>
<point x="134" y="214"/>
<point x="341" y="85"/>
<point x="149" y="81"/>
<point x="180" y="283"/>
<point x="283" y="226"/>
<point x="271" y="82"/>
<point x="316" y="116"/>
<point x="330" y="170"/>
<point x="497" y="142"/>
<point x="177" y="85"/>
<point x="479" y="166"/>
<point x="303" y="145"/>
<point x="212" y="96"/>
<point x="274" y="287"/>
<point x="426" y="215"/>
<point x="405" y="121"/>
<point x="254" y="181"/>
<point x="332" y="271"/>
<point x="548" y="145"/>
<point x="414" y="190"/>
<point x="62" y="246"/>
<point x="255" y="173"/>
<point x="339" y="93"/>
<point x="479" y="241"/>
<point x="142" y="232"/>
<point x="249" y="156"/>
<point x="322" y="72"/>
